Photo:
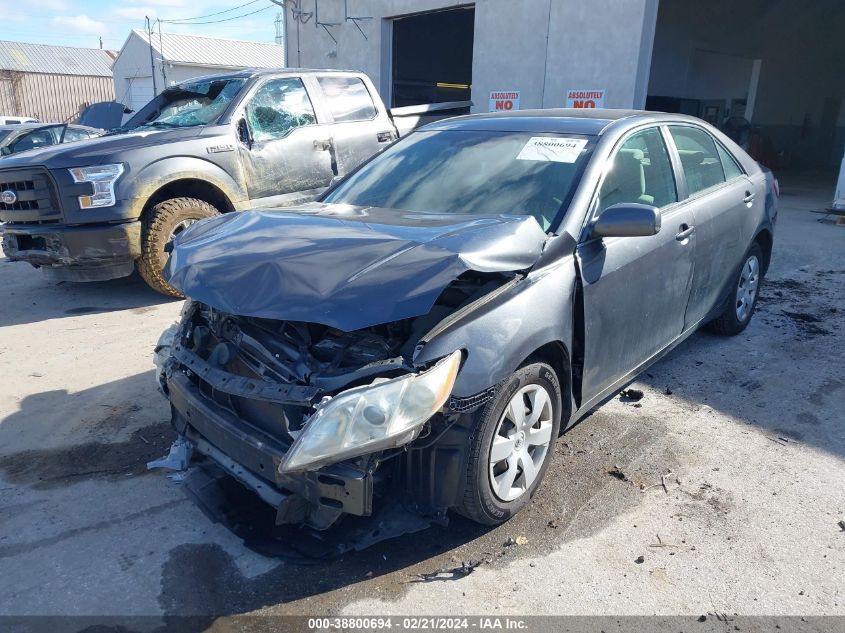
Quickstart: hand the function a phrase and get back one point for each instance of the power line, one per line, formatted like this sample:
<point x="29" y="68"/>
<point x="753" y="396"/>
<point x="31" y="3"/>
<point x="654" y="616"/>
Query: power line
<point x="211" y="15"/>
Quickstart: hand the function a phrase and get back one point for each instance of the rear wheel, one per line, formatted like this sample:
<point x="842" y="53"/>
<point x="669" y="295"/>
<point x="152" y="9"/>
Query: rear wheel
<point x="161" y="224"/>
<point x="740" y="308"/>
<point x="510" y="445"/>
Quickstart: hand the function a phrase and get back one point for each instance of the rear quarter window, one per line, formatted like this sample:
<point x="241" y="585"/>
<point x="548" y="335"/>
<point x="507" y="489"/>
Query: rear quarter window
<point x="347" y="98"/>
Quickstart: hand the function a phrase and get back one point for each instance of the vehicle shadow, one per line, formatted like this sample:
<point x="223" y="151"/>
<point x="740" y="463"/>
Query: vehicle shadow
<point x="29" y="297"/>
<point x="782" y="375"/>
<point x="84" y="456"/>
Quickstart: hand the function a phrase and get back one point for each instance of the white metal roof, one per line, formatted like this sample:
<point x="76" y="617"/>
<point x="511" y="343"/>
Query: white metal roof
<point x="198" y="50"/>
<point x="56" y="60"/>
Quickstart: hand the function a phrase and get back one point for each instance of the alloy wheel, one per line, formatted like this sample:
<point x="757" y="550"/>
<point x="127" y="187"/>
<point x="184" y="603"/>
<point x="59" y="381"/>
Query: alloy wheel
<point x="746" y="291"/>
<point x="521" y="442"/>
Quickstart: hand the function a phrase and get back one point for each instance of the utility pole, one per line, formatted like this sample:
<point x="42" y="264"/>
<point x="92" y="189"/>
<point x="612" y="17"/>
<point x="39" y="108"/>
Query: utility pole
<point x="280" y="28"/>
<point x="152" y="57"/>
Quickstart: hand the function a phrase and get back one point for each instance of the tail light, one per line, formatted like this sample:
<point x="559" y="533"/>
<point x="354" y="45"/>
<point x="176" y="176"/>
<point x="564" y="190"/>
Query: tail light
<point x="776" y="187"/>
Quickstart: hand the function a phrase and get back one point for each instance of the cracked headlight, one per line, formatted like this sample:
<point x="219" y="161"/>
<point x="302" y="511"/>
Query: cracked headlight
<point x="102" y="178"/>
<point x="372" y="418"/>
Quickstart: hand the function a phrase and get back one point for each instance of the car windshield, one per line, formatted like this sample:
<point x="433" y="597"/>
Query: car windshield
<point x="3" y="135"/>
<point x="469" y="171"/>
<point x="188" y="105"/>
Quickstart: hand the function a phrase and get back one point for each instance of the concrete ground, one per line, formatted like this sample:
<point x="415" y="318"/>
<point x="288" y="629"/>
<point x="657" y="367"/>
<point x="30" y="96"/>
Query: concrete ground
<point x="746" y="433"/>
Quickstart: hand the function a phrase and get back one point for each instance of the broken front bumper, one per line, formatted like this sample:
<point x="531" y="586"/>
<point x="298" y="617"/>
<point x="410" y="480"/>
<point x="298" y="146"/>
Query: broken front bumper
<point x="76" y="253"/>
<point x="315" y="498"/>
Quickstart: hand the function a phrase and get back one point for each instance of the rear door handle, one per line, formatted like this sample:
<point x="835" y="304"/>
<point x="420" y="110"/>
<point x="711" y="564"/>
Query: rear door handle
<point x="749" y="197"/>
<point x="685" y="232"/>
<point x="324" y="145"/>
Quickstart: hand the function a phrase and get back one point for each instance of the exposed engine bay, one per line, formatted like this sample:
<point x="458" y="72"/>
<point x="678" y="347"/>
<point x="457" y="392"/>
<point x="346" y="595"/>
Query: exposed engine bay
<point x="261" y="380"/>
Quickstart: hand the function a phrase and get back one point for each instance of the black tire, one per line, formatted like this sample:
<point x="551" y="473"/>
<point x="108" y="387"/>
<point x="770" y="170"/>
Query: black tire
<point x="479" y="501"/>
<point x="157" y="229"/>
<point x="729" y="323"/>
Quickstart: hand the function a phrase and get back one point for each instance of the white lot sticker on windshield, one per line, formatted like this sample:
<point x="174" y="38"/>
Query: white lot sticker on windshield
<point x="552" y="148"/>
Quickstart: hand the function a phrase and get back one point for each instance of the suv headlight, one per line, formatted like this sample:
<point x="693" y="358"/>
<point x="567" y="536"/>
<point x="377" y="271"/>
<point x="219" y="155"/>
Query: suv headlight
<point x="102" y="177"/>
<point x="372" y="418"/>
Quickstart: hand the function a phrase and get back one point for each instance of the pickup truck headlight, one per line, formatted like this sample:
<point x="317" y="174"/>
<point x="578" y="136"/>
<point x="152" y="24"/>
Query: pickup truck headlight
<point x="372" y="418"/>
<point x="102" y="177"/>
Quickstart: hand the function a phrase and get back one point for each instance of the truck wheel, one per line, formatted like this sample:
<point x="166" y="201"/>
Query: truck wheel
<point x="510" y="445"/>
<point x="161" y="224"/>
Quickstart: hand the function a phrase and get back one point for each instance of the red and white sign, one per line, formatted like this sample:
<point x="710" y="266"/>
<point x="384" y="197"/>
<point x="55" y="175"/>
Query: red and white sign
<point x="504" y="100"/>
<point x="585" y="99"/>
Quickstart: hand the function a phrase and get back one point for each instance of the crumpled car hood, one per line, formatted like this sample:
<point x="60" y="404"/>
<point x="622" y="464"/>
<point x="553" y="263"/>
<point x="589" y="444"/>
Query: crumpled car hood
<point x="342" y="266"/>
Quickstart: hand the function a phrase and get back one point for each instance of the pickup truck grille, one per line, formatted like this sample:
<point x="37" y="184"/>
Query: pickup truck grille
<point x="35" y="195"/>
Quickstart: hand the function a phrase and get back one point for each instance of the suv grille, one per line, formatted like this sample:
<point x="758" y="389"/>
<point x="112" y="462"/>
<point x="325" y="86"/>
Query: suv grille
<point x="36" y="199"/>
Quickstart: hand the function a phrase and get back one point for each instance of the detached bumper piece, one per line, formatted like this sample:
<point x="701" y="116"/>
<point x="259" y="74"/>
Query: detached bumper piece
<point x="75" y="253"/>
<point x="252" y="456"/>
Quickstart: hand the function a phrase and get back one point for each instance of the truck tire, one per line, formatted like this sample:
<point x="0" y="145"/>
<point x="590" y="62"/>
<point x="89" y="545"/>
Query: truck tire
<point x="520" y="425"/>
<point x="161" y="224"/>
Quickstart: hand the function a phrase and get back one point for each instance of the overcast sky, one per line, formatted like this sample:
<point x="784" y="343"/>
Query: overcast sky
<point x="83" y="22"/>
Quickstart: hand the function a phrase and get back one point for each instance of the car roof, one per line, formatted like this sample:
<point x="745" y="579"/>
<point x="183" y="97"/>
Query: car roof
<point x="249" y="73"/>
<point x="587" y="121"/>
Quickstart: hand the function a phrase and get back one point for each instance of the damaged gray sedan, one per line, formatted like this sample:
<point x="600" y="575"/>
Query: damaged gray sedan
<point x="427" y="329"/>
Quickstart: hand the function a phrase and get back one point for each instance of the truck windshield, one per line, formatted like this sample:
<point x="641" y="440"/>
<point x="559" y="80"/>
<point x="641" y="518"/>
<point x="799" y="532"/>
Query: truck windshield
<point x="470" y="171"/>
<point x="188" y="105"/>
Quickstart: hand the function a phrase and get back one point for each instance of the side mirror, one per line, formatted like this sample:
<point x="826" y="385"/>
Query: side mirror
<point x="243" y="133"/>
<point x="627" y="219"/>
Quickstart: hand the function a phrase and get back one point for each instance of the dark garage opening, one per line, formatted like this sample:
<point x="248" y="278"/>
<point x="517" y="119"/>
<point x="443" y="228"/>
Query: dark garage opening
<point x="769" y="74"/>
<point x="432" y="57"/>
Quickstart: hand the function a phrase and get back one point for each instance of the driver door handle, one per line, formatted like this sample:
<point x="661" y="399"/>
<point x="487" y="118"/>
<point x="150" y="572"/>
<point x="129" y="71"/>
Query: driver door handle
<point x="325" y="144"/>
<point x="749" y="197"/>
<point x="684" y="232"/>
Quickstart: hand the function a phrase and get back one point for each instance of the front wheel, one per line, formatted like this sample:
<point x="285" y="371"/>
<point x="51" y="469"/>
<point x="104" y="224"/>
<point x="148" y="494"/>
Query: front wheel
<point x="161" y="224"/>
<point x="511" y="444"/>
<point x="746" y="288"/>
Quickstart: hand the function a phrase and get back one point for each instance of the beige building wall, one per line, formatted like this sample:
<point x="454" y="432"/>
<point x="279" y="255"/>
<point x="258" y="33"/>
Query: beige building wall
<point x="51" y="98"/>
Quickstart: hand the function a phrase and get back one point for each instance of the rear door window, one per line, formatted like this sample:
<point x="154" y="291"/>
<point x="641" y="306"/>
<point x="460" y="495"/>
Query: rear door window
<point x="729" y="163"/>
<point x="348" y="98"/>
<point x="699" y="158"/>
<point x="641" y="172"/>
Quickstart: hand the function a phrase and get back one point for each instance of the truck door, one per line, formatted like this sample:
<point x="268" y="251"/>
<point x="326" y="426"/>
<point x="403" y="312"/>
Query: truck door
<point x="635" y="288"/>
<point x="287" y="158"/>
<point x="360" y="127"/>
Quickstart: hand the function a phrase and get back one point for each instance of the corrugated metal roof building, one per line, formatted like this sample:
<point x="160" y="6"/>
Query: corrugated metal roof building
<point x="52" y="83"/>
<point x="176" y="57"/>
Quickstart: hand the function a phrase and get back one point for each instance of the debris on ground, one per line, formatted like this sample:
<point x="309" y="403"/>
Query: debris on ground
<point x="553" y="524"/>
<point x="521" y="540"/>
<point x="509" y="542"/>
<point x="631" y="395"/>
<point x="783" y="441"/>
<point x="660" y="543"/>
<point x="841" y="525"/>
<point x="454" y="573"/>
<point x="618" y="474"/>
<point x="668" y="391"/>
<point x="639" y="560"/>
